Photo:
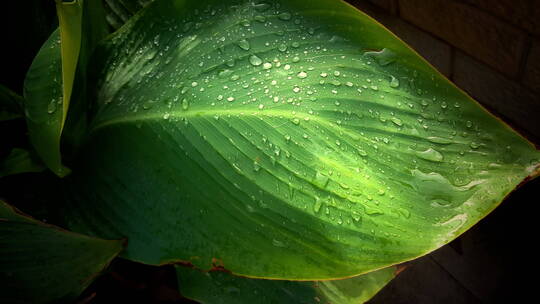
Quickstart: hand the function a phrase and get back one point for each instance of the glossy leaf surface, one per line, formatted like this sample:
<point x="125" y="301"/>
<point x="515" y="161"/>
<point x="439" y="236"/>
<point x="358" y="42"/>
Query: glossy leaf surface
<point x="40" y="263"/>
<point x="282" y="139"/>
<point x="221" y="287"/>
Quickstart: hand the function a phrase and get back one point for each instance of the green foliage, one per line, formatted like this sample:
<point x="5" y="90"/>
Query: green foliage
<point x="283" y="140"/>
<point x="10" y="104"/>
<point x="221" y="287"/>
<point x="20" y="161"/>
<point x="41" y="263"/>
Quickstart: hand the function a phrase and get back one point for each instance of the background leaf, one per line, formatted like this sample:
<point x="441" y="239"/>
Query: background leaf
<point x="70" y="23"/>
<point x="20" y="161"/>
<point x="44" y="101"/>
<point x="221" y="287"/>
<point x="10" y="104"/>
<point x="284" y="140"/>
<point x="58" y="72"/>
<point x="120" y="11"/>
<point x="40" y="263"/>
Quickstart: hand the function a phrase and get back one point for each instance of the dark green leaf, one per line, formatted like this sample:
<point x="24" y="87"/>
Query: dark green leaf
<point x="40" y="263"/>
<point x="10" y="104"/>
<point x="221" y="287"/>
<point x="44" y="103"/>
<point x="284" y="139"/>
<point x="120" y="11"/>
<point x="94" y="28"/>
<point x="50" y="82"/>
<point x="20" y="161"/>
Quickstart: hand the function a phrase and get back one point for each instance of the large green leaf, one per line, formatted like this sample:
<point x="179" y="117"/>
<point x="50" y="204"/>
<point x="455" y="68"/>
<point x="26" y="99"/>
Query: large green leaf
<point x="221" y="287"/>
<point x="40" y="263"/>
<point x="283" y="139"/>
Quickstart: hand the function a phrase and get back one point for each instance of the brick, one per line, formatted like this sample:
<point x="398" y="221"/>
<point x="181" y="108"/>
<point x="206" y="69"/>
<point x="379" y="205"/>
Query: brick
<point x="532" y="68"/>
<point x="432" y="49"/>
<point x="424" y="282"/>
<point x="522" y="13"/>
<point x="435" y="51"/>
<point x="479" y="34"/>
<point x="388" y="5"/>
<point x="517" y="105"/>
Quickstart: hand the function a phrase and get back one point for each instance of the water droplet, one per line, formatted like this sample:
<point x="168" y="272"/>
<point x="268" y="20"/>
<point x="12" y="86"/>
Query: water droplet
<point x="282" y="47"/>
<point x="230" y="98"/>
<point x="230" y="63"/>
<point x="187" y="26"/>
<point x="394" y="82"/>
<point x="296" y="59"/>
<point x="261" y="106"/>
<point x="430" y="154"/>
<point x="256" y="166"/>
<point x="397" y="121"/>
<point x="51" y="107"/>
<point x="324" y="75"/>
<point x="383" y="57"/>
<point x="296" y="89"/>
<point x="439" y="189"/>
<point x="474" y="145"/>
<point x="185" y="104"/>
<point x="255" y="60"/>
<point x="278" y="243"/>
<point x="166" y="116"/>
<point x="318" y="204"/>
<point x="244" y="44"/>
<point x="260" y="18"/>
<point x="296" y="121"/>
<point x="245" y="23"/>
<point x="295" y="44"/>
<point x="261" y="7"/>
<point x="302" y="75"/>
<point x="439" y="140"/>
<point x="194" y="84"/>
<point x="267" y="66"/>
<point x="284" y="16"/>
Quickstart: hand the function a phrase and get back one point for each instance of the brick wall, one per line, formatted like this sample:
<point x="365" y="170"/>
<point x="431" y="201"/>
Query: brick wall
<point x="490" y="49"/>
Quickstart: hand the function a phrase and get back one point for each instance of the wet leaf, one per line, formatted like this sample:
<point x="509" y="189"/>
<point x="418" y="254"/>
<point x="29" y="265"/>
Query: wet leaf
<point x="284" y="140"/>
